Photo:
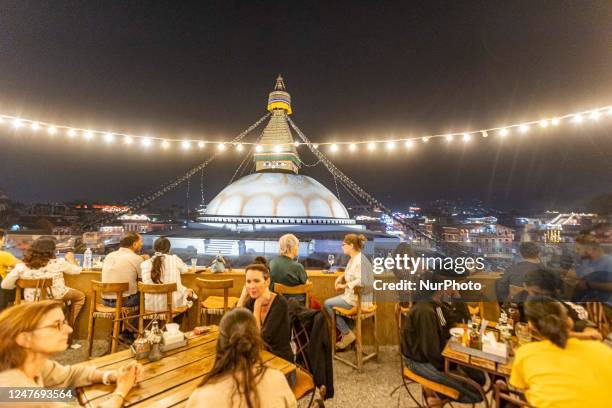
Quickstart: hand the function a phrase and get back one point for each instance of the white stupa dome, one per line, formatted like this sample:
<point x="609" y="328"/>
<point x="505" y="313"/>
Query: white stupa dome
<point x="284" y="197"/>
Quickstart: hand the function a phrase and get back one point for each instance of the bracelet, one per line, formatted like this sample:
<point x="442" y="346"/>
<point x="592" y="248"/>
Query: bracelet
<point x="105" y="379"/>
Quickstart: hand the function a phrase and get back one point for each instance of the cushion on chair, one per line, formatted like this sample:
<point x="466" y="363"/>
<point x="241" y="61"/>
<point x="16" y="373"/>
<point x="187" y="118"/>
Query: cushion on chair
<point x="108" y="312"/>
<point x="304" y="383"/>
<point x="366" y="312"/>
<point x="432" y="385"/>
<point x="216" y="302"/>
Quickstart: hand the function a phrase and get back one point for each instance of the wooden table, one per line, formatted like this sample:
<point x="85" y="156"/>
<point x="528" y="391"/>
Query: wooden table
<point x="170" y="381"/>
<point x="478" y="363"/>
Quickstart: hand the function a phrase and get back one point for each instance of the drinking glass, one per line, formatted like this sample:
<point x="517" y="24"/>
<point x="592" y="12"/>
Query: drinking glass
<point x="194" y="262"/>
<point x="331" y="259"/>
<point x="522" y="333"/>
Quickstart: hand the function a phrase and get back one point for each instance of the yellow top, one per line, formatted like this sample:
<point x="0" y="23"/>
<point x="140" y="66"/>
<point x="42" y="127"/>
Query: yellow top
<point x="7" y="260"/>
<point x="579" y="375"/>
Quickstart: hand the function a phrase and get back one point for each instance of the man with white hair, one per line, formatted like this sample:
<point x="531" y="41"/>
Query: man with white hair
<point x="284" y="269"/>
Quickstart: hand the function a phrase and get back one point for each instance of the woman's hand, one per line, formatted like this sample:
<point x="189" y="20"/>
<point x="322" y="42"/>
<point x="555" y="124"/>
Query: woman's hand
<point x="243" y="297"/>
<point x="340" y="283"/>
<point x="592" y="334"/>
<point x="127" y="376"/>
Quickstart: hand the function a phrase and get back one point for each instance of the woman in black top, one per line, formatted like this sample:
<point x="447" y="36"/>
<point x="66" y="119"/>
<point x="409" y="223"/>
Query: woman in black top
<point x="270" y="311"/>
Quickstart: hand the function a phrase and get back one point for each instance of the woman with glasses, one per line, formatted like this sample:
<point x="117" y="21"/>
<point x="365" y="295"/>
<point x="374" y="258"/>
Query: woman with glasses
<point x="31" y="334"/>
<point x="358" y="272"/>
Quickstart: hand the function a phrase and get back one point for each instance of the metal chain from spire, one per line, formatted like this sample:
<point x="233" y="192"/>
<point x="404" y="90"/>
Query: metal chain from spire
<point x="202" y="185"/>
<point x="170" y="185"/>
<point x="455" y="250"/>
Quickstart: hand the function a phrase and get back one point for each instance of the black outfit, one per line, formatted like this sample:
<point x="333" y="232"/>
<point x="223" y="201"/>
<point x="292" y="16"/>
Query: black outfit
<point x="576" y="312"/>
<point x="425" y="332"/>
<point x="276" y="329"/>
<point x="318" y="352"/>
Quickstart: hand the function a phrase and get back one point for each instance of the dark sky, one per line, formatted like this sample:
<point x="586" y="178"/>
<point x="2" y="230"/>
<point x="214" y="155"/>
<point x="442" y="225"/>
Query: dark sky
<point x="355" y="70"/>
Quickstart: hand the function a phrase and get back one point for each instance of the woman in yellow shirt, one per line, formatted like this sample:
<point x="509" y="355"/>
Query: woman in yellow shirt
<point x="7" y="261"/>
<point x="560" y="371"/>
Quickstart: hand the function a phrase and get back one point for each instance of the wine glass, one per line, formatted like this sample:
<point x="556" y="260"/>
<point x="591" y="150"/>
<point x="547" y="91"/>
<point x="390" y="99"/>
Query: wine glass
<point x="331" y="259"/>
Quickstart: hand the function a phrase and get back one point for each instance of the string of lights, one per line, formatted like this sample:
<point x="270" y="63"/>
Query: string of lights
<point x="145" y="141"/>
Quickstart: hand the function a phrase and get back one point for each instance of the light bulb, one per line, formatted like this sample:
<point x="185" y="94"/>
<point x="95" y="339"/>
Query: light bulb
<point x="128" y="140"/>
<point x="296" y="143"/>
<point x="201" y="144"/>
<point x="35" y="126"/>
<point x="577" y="118"/>
<point x="88" y="134"/>
<point x="221" y="147"/>
<point x="466" y="137"/>
<point x="555" y="121"/>
<point x="333" y="147"/>
<point x="544" y="123"/>
<point x="523" y="128"/>
<point x="371" y="146"/>
<point x="409" y="144"/>
<point x="258" y="148"/>
<point x="425" y="139"/>
<point x="595" y="115"/>
<point x="449" y="138"/>
<point x="185" y="144"/>
<point x="352" y="147"/>
<point x="239" y="147"/>
<point x="390" y="145"/>
<point x="17" y="123"/>
<point x="504" y="132"/>
<point x="146" y="142"/>
<point x="52" y="130"/>
<point x="71" y="132"/>
<point x="165" y="144"/>
<point x="109" y="138"/>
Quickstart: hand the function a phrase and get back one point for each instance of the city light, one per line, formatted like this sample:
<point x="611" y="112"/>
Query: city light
<point x="278" y="149"/>
<point x="316" y="146"/>
<point x="296" y="143"/>
<point x="258" y="148"/>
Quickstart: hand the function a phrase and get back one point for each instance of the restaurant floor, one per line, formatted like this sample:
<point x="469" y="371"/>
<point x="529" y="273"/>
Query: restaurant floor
<point x="369" y="389"/>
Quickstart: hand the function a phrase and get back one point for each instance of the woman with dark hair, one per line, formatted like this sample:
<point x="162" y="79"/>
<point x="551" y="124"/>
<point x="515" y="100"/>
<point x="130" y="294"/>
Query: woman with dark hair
<point x="269" y="309"/>
<point x="560" y="371"/>
<point x="239" y="378"/>
<point x="31" y="334"/>
<point x="39" y="262"/>
<point x="165" y="268"/>
<point x="358" y="272"/>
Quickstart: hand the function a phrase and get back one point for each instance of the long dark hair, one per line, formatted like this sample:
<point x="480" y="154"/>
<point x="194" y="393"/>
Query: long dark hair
<point x="549" y="318"/>
<point x="238" y="352"/>
<point x="162" y="245"/>
<point x="39" y="253"/>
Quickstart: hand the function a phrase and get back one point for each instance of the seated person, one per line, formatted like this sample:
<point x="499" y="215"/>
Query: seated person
<point x="543" y="282"/>
<point x="7" y="261"/>
<point x="270" y="311"/>
<point x="516" y="274"/>
<point x="123" y="265"/>
<point x="594" y="273"/>
<point x="284" y="269"/>
<point x="166" y="268"/>
<point x="424" y="335"/>
<point x="39" y="262"/>
<point x="32" y="333"/>
<point x="560" y="371"/>
<point x="220" y="264"/>
<point x="239" y="377"/>
<point x="358" y="272"/>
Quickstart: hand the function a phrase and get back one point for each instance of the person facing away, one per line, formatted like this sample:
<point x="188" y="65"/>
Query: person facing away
<point x="7" y="262"/>
<point x="165" y="268"/>
<point x="239" y="377"/>
<point x="425" y="333"/>
<point x="560" y="371"/>
<point x="516" y="274"/>
<point x="358" y="272"/>
<point x="271" y="311"/>
<point x="284" y="269"/>
<point x="31" y="334"/>
<point x="39" y="262"/>
<point x="123" y="265"/>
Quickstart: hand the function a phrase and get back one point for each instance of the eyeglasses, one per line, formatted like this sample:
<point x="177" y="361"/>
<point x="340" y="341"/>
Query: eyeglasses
<point x="59" y="325"/>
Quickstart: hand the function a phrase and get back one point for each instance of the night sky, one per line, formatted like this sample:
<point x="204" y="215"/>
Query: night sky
<point x="355" y="70"/>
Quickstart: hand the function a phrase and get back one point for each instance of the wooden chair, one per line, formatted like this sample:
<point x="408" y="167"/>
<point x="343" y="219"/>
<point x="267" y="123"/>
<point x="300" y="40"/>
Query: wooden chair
<point x="44" y="284"/>
<point x="305" y="289"/>
<point x="410" y="377"/>
<point x="215" y="305"/>
<point x="157" y="289"/>
<point x="597" y="315"/>
<point x="99" y="310"/>
<point x="358" y="314"/>
<point x="515" y="397"/>
<point x="304" y="385"/>
<point x="513" y="291"/>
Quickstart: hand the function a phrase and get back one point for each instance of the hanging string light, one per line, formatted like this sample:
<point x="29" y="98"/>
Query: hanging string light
<point x="19" y="123"/>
